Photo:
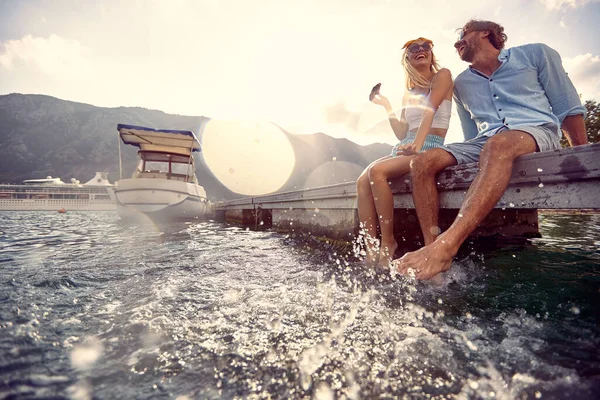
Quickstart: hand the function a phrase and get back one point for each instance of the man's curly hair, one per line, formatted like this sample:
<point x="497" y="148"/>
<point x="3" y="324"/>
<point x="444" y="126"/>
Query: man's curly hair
<point x="497" y="36"/>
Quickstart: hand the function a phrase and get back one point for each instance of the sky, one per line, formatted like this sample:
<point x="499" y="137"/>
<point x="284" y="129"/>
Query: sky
<point x="307" y="66"/>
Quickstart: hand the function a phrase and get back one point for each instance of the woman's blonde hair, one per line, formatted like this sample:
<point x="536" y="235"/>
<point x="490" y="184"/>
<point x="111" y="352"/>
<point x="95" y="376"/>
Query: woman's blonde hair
<point x="413" y="77"/>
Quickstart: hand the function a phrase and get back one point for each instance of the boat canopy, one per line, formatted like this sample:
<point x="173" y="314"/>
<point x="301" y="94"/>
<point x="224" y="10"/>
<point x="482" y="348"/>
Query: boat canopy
<point x="163" y="140"/>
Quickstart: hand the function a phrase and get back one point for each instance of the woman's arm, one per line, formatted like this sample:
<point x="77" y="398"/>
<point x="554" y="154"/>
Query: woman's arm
<point x="440" y="87"/>
<point x="399" y="126"/>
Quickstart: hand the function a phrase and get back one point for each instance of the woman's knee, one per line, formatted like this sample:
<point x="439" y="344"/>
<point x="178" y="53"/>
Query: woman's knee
<point x="377" y="173"/>
<point x="362" y="182"/>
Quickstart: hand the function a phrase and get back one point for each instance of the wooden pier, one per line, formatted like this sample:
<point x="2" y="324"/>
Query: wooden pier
<point x="562" y="179"/>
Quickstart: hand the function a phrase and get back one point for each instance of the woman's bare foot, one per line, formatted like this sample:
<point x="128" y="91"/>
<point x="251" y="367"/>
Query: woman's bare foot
<point x="386" y="253"/>
<point x="371" y="250"/>
<point x="372" y="259"/>
<point x="426" y="262"/>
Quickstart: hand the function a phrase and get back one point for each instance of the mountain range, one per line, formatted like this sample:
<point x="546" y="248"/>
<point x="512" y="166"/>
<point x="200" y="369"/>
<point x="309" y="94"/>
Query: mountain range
<point x="44" y="136"/>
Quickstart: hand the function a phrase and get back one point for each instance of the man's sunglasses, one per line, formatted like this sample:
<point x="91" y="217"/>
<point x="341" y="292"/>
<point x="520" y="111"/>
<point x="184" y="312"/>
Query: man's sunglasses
<point x="415" y="47"/>
<point x="463" y="32"/>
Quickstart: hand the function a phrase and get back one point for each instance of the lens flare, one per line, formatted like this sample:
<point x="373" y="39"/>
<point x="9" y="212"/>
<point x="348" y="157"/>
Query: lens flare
<point x="249" y="158"/>
<point x="333" y="172"/>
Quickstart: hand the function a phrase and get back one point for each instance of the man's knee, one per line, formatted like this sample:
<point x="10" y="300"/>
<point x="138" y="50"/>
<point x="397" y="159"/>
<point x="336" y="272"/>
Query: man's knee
<point x="507" y="146"/>
<point x="430" y="162"/>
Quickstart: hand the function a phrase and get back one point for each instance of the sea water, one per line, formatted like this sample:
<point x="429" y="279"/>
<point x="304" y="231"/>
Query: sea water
<point x="91" y="307"/>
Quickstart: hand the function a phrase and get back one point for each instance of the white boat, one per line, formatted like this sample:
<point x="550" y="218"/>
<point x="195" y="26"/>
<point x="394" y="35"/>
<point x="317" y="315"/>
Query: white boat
<point x="164" y="184"/>
<point x="52" y="194"/>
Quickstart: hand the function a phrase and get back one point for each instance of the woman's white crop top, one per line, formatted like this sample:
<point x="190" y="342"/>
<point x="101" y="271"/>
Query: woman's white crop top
<point x="441" y="118"/>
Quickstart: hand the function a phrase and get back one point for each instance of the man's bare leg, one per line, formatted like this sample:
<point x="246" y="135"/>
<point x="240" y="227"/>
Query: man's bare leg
<point x="424" y="169"/>
<point x="384" y="202"/>
<point x="496" y="162"/>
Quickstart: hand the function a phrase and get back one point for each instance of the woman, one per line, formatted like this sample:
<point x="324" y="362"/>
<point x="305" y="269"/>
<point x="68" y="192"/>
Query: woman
<point x="422" y="125"/>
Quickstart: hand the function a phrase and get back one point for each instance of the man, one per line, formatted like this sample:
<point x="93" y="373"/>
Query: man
<point x="510" y="102"/>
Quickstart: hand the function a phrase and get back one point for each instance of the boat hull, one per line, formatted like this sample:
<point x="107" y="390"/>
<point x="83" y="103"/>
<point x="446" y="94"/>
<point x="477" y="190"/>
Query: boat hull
<point x="159" y="199"/>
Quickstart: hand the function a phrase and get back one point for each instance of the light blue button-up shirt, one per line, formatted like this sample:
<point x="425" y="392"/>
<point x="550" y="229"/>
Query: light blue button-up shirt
<point x="530" y="88"/>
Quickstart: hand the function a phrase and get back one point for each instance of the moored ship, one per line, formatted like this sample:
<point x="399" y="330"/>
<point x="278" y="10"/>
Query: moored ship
<point x="164" y="184"/>
<point x="52" y="194"/>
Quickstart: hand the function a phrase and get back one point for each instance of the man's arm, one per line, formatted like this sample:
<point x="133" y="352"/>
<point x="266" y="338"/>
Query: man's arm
<point x="468" y="125"/>
<point x="573" y="127"/>
<point x="561" y="93"/>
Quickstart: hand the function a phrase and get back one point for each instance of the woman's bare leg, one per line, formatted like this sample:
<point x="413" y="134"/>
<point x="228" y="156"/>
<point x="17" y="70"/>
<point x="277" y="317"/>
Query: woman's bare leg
<point x="367" y="214"/>
<point x="384" y="201"/>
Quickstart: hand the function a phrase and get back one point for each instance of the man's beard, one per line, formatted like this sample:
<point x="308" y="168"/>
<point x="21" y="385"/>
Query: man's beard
<point x="469" y="52"/>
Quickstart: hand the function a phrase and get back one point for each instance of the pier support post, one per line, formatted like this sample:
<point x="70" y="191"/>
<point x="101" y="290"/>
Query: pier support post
<point x="257" y="218"/>
<point x="339" y="224"/>
<point x="510" y="222"/>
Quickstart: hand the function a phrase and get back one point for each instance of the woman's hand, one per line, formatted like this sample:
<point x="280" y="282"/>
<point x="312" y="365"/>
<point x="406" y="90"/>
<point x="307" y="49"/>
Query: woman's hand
<point x="381" y="100"/>
<point x="406" y="150"/>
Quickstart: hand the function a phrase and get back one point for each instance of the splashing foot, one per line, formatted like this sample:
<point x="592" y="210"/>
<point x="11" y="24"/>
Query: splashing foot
<point x="386" y="254"/>
<point x="426" y="262"/>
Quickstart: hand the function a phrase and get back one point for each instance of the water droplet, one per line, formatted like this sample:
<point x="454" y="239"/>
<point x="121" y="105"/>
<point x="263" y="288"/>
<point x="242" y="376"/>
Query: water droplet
<point x="541" y="185"/>
<point x="575" y="310"/>
<point x="435" y="230"/>
<point x="85" y="355"/>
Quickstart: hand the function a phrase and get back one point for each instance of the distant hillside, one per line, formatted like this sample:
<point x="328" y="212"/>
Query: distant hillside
<point x="42" y="135"/>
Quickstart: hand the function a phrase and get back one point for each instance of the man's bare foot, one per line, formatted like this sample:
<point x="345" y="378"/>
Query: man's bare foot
<point x="386" y="254"/>
<point x="426" y="262"/>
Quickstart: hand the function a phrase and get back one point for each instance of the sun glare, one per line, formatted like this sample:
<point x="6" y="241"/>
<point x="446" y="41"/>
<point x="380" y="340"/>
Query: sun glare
<point x="249" y="158"/>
